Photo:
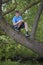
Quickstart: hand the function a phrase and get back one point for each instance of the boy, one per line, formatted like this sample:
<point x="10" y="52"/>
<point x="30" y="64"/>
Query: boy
<point x="19" y="23"/>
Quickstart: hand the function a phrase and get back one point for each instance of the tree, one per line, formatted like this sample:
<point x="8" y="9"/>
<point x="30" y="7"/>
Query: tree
<point x="32" y="44"/>
<point x="0" y="4"/>
<point x="33" y="32"/>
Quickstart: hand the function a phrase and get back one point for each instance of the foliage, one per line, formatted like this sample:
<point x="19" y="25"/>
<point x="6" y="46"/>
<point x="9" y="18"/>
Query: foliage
<point x="10" y="48"/>
<point x="18" y="63"/>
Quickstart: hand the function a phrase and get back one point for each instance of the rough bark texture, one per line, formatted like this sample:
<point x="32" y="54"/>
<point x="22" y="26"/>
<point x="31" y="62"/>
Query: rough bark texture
<point x="0" y="8"/>
<point x="42" y="3"/>
<point x="0" y="4"/>
<point x="36" y="22"/>
<point x="32" y="44"/>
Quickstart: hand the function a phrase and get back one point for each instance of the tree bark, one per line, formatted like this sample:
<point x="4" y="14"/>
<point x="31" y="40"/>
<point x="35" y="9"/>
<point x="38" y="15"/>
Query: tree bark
<point x="42" y="3"/>
<point x="36" y="22"/>
<point x="0" y="4"/>
<point x="0" y="8"/>
<point x="32" y="44"/>
<point x="20" y="38"/>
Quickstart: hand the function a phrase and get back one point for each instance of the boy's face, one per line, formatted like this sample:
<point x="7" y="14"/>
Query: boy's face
<point x="17" y="14"/>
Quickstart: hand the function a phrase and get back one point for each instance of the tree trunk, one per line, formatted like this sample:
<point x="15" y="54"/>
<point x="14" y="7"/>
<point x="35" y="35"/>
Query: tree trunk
<point x="0" y="4"/>
<point x="36" y="22"/>
<point x="42" y="4"/>
<point x="32" y="44"/>
<point x="0" y="8"/>
<point x="5" y="1"/>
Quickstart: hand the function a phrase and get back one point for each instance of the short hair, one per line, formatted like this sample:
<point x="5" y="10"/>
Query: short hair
<point x="17" y="11"/>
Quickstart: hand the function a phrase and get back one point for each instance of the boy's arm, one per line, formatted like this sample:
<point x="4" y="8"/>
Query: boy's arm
<point x="13" y="20"/>
<point x="21" y="20"/>
<point x="14" y="23"/>
<point x="17" y="22"/>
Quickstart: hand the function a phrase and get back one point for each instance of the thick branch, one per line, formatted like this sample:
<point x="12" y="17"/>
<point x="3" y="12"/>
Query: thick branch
<point x="32" y="44"/>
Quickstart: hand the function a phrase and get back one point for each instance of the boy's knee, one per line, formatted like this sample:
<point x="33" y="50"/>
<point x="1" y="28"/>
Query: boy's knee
<point x="25" y="23"/>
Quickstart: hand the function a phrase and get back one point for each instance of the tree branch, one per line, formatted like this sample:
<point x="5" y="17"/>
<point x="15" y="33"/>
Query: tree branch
<point x="35" y="25"/>
<point x="5" y="1"/>
<point x="30" y="5"/>
<point x="10" y="10"/>
<point x="32" y="44"/>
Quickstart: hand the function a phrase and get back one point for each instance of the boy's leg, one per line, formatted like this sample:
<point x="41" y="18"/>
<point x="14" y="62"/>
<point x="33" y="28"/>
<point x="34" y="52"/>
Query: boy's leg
<point x="26" y="28"/>
<point x="19" y="24"/>
<point x="16" y="28"/>
<point x="24" y="25"/>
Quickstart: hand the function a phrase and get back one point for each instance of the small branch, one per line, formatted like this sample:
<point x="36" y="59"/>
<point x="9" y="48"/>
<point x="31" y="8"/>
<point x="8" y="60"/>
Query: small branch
<point x="35" y="25"/>
<point x="5" y="1"/>
<point x="10" y="10"/>
<point x="30" y="5"/>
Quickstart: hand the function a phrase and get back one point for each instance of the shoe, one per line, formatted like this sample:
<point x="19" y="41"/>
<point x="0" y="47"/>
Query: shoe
<point x="17" y="30"/>
<point x="27" y="35"/>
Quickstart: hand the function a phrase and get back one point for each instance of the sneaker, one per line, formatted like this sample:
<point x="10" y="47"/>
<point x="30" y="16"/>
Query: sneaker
<point x="27" y="35"/>
<point x="17" y="30"/>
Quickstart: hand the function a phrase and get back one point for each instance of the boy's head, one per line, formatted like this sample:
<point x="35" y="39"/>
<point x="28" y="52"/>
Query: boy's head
<point x="17" y="13"/>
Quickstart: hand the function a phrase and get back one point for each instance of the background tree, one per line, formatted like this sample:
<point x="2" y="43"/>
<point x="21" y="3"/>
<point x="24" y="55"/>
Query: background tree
<point x="36" y="21"/>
